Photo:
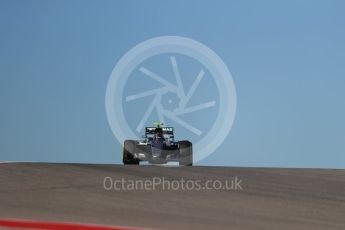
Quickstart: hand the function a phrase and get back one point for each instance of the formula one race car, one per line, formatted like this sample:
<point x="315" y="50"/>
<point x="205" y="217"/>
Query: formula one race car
<point x="158" y="147"/>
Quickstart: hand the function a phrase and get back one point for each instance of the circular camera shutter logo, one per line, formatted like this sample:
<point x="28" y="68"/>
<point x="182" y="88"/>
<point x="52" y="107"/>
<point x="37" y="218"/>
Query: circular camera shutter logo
<point x="171" y="99"/>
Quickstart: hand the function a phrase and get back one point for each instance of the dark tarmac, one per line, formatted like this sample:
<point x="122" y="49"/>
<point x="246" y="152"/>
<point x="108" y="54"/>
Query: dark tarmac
<point x="270" y="198"/>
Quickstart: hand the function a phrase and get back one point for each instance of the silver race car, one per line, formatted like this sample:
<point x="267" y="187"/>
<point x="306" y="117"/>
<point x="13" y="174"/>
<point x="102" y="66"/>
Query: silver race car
<point x="158" y="146"/>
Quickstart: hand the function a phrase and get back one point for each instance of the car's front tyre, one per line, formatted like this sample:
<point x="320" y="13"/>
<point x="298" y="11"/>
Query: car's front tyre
<point x="128" y="153"/>
<point x="185" y="153"/>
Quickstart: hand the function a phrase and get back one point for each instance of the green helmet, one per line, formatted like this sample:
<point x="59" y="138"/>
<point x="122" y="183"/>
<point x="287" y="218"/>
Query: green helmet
<point x="158" y="124"/>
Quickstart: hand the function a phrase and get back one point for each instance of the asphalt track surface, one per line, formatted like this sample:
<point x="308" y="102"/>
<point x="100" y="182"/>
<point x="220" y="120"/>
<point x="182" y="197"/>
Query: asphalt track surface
<point x="270" y="198"/>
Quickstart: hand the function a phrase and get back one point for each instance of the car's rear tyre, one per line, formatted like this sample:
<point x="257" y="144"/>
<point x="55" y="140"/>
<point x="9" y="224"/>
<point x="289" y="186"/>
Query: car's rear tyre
<point x="128" y="152"/>
<point x="186" y="153"/>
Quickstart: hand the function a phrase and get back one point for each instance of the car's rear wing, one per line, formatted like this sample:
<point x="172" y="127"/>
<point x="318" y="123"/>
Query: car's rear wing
<point x="166" y="130"/>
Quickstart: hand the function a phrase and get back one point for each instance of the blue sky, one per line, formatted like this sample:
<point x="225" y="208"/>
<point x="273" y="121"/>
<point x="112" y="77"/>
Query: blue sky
<point x="287" y="59"/>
